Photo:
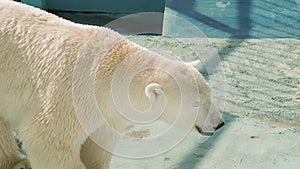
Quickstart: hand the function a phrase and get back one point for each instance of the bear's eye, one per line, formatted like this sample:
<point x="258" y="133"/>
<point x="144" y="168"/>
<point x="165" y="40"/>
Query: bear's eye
<point x="156" y="93"/>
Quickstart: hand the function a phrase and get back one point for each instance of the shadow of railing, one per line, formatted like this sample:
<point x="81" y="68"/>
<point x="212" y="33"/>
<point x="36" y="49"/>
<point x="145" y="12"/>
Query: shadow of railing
<point x="242" y="18"/>
<point x="188" y="8"/>
<point x="244" y="8"/>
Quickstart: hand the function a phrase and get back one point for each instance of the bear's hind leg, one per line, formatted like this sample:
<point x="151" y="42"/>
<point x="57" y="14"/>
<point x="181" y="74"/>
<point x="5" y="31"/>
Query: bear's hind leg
<point x="9" y="155"/>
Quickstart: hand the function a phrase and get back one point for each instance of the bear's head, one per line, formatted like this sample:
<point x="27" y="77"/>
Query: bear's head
<point x="172" y="90"/>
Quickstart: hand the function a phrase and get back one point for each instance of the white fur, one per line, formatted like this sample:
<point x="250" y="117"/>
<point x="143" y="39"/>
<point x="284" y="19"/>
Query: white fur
<point x="38" y="52"/>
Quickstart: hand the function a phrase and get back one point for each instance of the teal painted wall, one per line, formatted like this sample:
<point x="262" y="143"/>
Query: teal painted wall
<point x="109" y="6"/>
<point x="102" y="12"/>
<point x="118" y="6"/>
<point x="35" y="3"/>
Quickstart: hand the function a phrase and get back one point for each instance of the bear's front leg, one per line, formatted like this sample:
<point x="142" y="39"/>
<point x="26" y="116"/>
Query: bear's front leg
<point x="94" y="157"/>
<point x="53" y="144"/>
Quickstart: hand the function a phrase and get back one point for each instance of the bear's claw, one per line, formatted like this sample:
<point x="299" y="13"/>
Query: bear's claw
<point x="23" y="164"/>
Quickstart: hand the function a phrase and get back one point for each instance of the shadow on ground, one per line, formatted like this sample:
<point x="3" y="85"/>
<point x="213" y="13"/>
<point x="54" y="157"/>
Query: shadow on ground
<point x="194" y="158"/>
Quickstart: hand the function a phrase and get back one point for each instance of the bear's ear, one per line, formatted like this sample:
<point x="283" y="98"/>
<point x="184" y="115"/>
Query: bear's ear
<point x="195" y="64"/>
<point x="153" y="89"/>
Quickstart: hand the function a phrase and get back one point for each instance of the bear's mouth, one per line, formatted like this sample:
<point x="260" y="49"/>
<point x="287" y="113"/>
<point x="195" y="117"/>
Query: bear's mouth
<point x="219" y="125"/>
<point x="205" y="133"/>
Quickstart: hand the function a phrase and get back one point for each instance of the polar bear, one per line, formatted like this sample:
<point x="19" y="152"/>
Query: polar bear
<point x="38" y="53"/>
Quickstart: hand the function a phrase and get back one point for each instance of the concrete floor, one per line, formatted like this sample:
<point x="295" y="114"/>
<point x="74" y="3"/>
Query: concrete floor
<point x="261" y="107"/>
<point x="244" y="143"/>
